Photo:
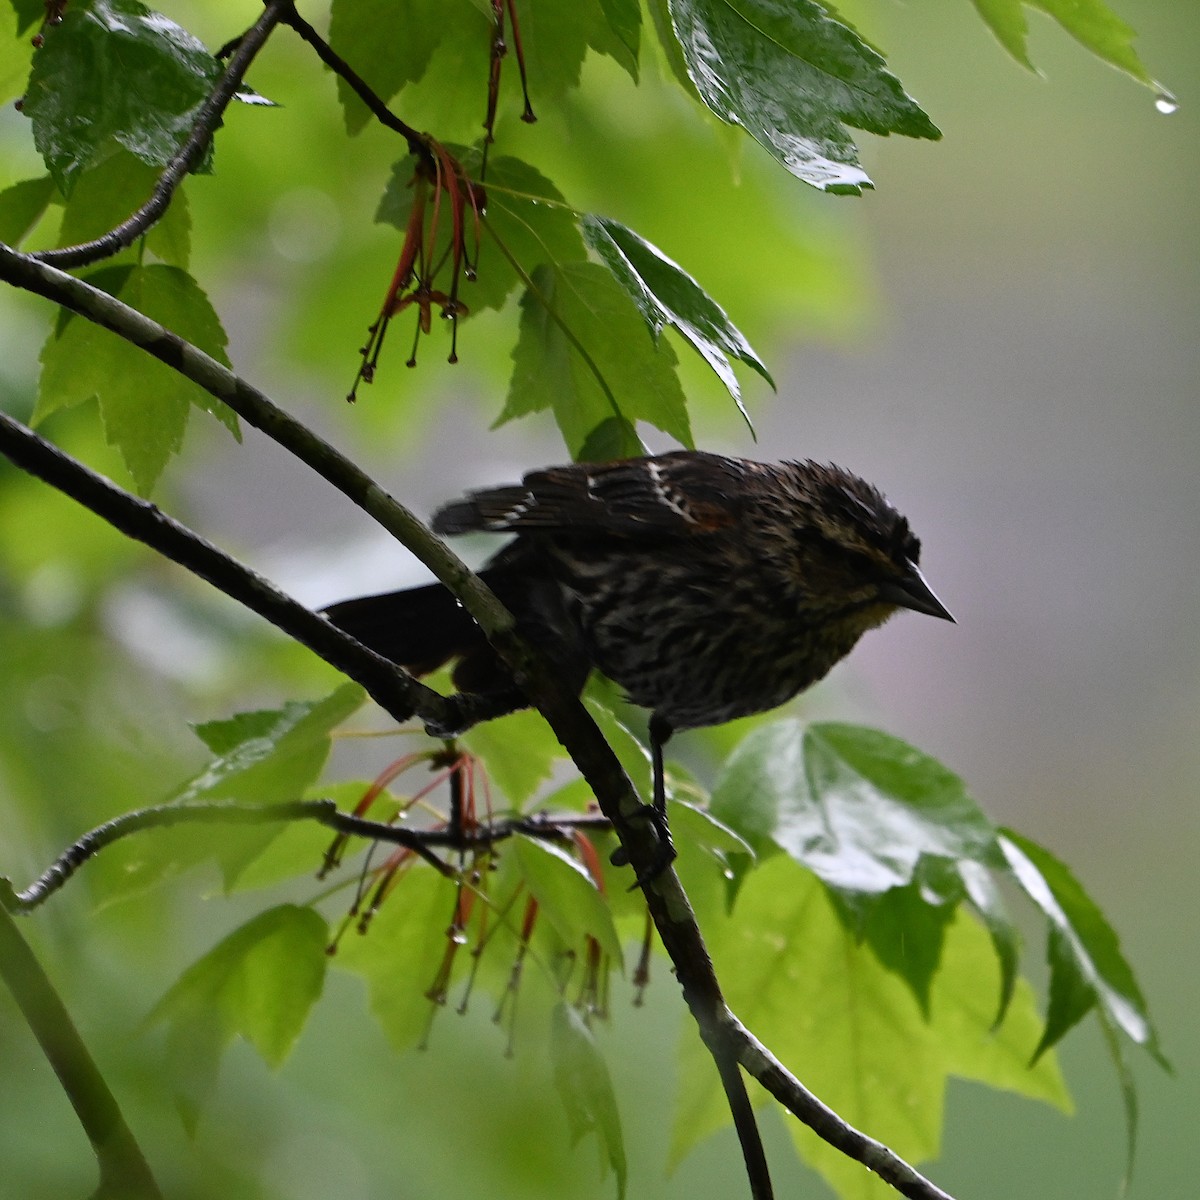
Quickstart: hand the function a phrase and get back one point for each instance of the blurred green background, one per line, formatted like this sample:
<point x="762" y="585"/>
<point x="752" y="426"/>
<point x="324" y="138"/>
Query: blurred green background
<point x="1002" y="336"/>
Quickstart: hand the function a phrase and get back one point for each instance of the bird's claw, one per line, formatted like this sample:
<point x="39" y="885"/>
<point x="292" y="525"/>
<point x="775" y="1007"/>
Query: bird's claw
<point x="665" y="852"/>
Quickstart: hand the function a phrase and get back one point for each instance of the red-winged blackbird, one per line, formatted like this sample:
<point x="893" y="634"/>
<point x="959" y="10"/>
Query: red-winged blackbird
<point x="707" y="587"/>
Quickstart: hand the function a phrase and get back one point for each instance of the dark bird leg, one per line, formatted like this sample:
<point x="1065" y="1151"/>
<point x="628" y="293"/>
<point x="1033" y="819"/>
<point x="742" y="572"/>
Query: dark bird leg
<point x="656" y="810"/>
<point x="660" y="734"/>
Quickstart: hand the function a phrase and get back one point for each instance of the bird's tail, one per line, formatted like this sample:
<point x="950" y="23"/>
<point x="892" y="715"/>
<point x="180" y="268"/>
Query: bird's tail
<point x="421" y="629"/>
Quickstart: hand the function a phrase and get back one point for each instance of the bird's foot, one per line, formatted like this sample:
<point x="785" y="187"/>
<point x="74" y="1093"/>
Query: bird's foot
<point x="665" y="852"/>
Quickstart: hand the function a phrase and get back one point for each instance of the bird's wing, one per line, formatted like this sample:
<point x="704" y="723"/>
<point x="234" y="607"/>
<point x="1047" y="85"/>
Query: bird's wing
<point x="686" y="492"/>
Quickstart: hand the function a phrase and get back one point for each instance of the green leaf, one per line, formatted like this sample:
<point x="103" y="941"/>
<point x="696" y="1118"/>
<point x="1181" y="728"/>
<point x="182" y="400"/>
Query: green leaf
<point x="1091" y="23"/>
<point x="852" y="1030"/>
<point x="883" y="825"/>
<point x="518" y="751"/>
<point x="143" y="403"/>
<point x="29" y="13"/>
<point x="170" y="240"/>
<point x="794" y="78"/>
<point x="260" y="758"/>
<point x="1006" y="20"/>
<point x="624" y="19"/>
<point x="907" y="934"/>
<point x="555" y="39"/>
<point x="696" y="826"/>
<point x="137" y="76"/>
<point x="578" y="328"/>
<point x="567" y="895"/>
<point x="665" y="294"/>
<point x="105" y="195"/>
<point x="582" y="1079"/>
<point x="22" y="206"/>
<point x="389" y="44"/>
<point x="260" y="983"/>
<point x="1086" y="964"/>
<point x="15" y="53"/>
<point x="401" y="952"/>
<point x="985" y="899"/>
<point x="859" y="808"/>
<point x="633" y="755"/>
<point x="529" y="217"/>
<point x="270" y="755"/>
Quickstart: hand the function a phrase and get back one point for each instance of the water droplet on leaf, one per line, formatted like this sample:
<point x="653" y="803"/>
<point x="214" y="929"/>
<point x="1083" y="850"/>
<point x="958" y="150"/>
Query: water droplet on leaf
<point x="1166" y="103"/>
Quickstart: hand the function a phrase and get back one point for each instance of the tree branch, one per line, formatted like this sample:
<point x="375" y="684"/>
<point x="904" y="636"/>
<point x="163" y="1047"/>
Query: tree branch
<point x="188" y="158"/>
<point x="124" y="1172"/>
<point x="324" y="812"/>
<point x="823" y="1121"/>
<point x="668" y="904"/>
<point x="391" y="687"/>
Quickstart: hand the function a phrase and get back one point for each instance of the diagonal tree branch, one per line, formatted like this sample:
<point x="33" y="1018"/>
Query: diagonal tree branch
<point x="393" y="689"/>
<point x="668" y="904"/>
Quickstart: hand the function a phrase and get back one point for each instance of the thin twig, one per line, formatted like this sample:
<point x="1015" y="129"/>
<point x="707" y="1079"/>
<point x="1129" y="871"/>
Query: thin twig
<point x="324" y="812"/>
<point x="418" y="143"/>
<point x="188" y="158"/>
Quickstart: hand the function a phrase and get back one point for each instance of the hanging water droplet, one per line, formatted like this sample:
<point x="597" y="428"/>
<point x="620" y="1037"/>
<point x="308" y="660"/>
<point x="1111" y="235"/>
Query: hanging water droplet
<point x="1166" y="103"/>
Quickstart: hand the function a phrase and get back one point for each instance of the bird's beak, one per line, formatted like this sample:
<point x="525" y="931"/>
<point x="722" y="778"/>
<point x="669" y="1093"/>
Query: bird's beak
<point x="913" y="592"/>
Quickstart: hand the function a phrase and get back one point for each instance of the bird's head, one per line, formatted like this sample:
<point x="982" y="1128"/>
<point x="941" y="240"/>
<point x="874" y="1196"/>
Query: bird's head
<point x="854" y="552"/>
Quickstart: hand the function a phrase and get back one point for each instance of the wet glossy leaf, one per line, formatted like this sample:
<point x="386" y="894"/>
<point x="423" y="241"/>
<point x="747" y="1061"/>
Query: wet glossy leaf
<point x="270" y="755"/>
<point x="138" y="76"/>
<point x="985" y="899"/>
<point x="584" y="352"/>
<point x="601" y="702"/>
<point x="144" y="405"/>
<point x="583" y="1082"/>
<point x="665" y="294"/>
<point x="697" y="826"/>
<point x="259" y="758"/>
<point x="530" y="217"/>
<point x="259" y="984"/>
<point x="1086" y="963"/>
<point x="859" y="808"/>
<point x="794" y="78"/>
<point x="907" y="934"/>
